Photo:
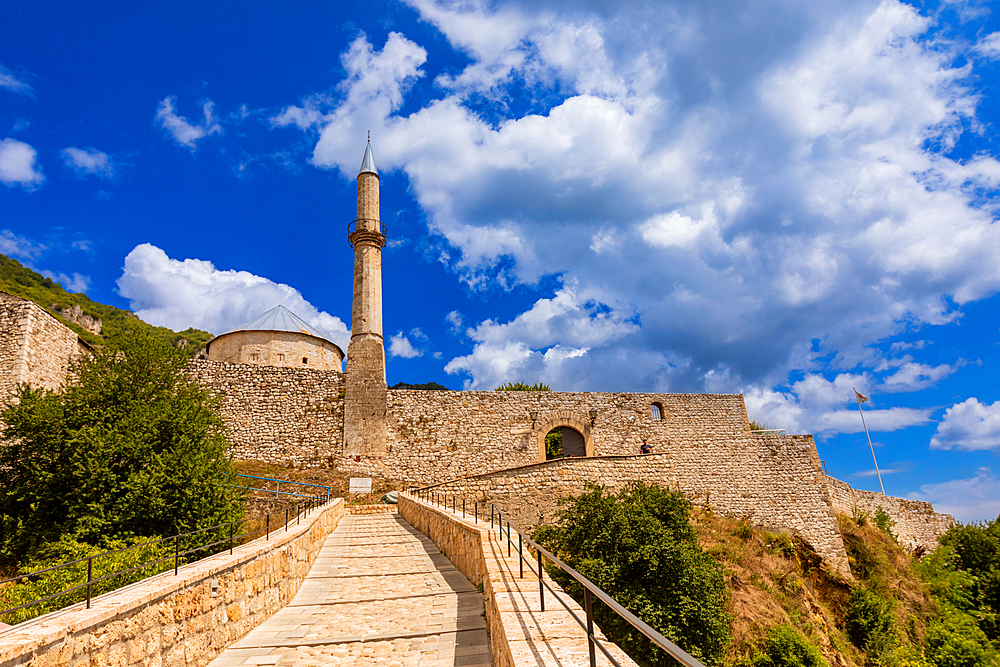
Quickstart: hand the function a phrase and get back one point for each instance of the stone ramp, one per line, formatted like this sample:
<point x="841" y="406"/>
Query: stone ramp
<point x="379" y="593"/>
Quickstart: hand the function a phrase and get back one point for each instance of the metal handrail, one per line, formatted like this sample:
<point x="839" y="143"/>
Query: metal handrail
<point x="590" y="589"/>
<point x="235" y="537"/>
<point x="278" y="482"/>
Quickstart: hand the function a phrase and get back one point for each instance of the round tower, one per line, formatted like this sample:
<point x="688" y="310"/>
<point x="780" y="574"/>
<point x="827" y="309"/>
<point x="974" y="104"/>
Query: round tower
<point x="365" y="390"/>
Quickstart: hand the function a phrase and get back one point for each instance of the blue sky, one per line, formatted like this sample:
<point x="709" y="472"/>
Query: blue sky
<point x="783" y="199"/>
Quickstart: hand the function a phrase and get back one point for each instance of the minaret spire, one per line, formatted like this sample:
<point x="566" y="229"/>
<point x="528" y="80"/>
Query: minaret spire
<point x="365" y="390"/>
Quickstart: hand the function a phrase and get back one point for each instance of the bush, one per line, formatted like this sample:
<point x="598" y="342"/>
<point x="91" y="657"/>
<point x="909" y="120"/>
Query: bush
<point x="50" y="583"/>
<point x="870" y="621"/>
<point x="132" y="447"/>
<point x="884" y="522"/>
<point x="785" y="646"/>
<point x="638" y="546"/>
<point x="521" y="386"/>
<point x="954" y="639"/>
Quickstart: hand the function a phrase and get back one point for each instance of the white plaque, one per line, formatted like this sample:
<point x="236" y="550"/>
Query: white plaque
<point x="361" y="485"/>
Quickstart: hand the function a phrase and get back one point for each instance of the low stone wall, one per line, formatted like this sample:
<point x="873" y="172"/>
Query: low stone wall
<point x="918" y="526"/>
<point x="173" y="621"/>
<point x="521" y="635"/>
<point x="775" y="486"/>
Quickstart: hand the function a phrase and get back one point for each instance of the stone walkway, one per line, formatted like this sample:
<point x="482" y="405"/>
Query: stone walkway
<point x="379" y="593"/>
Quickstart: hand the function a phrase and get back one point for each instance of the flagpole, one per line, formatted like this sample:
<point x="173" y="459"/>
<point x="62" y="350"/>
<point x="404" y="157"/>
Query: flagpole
<point x="858" y="398"/>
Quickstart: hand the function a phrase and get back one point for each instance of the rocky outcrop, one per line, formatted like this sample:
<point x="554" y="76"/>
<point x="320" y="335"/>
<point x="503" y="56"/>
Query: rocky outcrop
<point x="76" y="315"/>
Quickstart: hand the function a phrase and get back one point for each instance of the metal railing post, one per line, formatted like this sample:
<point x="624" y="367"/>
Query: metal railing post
<point x="267" y="527"/>
<point x="541" y="584"/>
<point x="277" y="488"/>
<point x="286" y="519"/>
<point x="176" y="553"/>
<point x="90" y="577"/>
<point x="508" y="538"/>
<point x="588" y="603"/>
<point x="520" y="558"/>
<point x="475" y="504"/>
<point x="491" y="515"/>
<point x="230" y="538"/>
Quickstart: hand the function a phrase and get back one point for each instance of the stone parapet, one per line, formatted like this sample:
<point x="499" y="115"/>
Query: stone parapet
<point x="521" y="635"/>
<point x="918" y="527"/>
<point x="175" y="621"/>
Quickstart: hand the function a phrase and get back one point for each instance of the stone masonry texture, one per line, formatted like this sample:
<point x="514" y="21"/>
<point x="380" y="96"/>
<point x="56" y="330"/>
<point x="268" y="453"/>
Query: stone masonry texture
<point x="276" y="348"/>
<point x="35" y="347"/>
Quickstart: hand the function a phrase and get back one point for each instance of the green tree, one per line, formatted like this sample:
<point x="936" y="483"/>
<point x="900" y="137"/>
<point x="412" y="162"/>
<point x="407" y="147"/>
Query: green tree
<point x="131" y="447"/>
<point x="521" y="386"/>
<point x="638" y="546"/>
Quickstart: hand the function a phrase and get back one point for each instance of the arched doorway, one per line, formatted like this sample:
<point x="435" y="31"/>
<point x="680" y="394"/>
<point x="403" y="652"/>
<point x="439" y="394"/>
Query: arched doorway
<point x="564" y="436"/>
<point x="564" y="441"/>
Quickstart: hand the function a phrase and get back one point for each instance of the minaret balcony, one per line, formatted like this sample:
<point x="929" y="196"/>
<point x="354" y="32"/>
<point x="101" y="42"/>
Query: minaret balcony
<point x="366" y="231"/>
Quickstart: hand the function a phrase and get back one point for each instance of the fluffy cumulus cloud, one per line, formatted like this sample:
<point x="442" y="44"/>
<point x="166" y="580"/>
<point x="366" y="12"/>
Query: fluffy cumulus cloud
<point x="193" y="293"/>
<point x="731" y="195"/>
<point x="400" y="346"/>
<point x="973" y="499"/>
<point x="17" y="165"/>
<point x="180" y="129"/>
<point x="969" y="426"/>
<point x="89" y="162"/>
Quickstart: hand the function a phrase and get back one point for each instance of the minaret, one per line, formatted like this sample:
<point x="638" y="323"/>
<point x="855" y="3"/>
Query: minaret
<point x="365" y="395"/>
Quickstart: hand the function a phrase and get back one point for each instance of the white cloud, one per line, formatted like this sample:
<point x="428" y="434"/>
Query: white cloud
<point x="455" y="321"/>
<point x="192" y="293"/>
<point x="71" y="283"/>
<point x="89" y="161"/>
<point x="989" y="46"/>
<point x="181" y="129"/>
<point x="17" y="165"/>
<point x="15" y="245"/>
<point x="973" y="499"/>
<point x="751" y="204"/>
<point x="912" y="376"/>
<point x="969" y="426"/>
<point x="14" y="84"/>
<point x="400" y="346"/>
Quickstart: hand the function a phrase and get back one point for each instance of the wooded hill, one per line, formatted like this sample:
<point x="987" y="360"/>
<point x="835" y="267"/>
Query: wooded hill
<point x="50" y="295"/>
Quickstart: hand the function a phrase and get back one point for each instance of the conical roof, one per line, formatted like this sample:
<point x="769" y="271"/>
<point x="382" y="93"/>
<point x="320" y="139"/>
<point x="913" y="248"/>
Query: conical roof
<point x="280" y="318"/>
<point x="368" y="163"/>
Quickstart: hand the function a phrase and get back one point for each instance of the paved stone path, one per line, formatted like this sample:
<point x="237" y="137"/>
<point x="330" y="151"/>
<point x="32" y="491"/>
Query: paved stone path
<point x="379" y="593"/>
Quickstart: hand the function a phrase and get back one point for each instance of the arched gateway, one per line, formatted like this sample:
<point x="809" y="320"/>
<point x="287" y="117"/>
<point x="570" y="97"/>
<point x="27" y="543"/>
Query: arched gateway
<point x="577" y="438"/>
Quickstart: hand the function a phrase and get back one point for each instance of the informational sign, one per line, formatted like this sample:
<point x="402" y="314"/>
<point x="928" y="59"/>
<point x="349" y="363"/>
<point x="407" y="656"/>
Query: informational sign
<point x="361" y="485"/>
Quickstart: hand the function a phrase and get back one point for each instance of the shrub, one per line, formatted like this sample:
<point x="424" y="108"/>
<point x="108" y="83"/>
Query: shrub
<point x="870" y="621"/>
<point x="638" y="546"/>
<point x="521" y="386"/>
<point x="884" y="522"/>
<point x="132" y="447"/>
<point x="954" y="639"/>
<point x="785" y="646"/>
<point x="50" y="583"/>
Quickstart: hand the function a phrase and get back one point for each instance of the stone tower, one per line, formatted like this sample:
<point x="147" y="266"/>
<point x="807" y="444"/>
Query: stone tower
<point x="365" y="397"/>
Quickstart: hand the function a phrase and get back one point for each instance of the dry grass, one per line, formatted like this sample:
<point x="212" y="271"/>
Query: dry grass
<point x="774" y="578"/>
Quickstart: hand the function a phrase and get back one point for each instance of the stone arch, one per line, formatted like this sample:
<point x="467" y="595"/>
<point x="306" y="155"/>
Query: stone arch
<point x="578" y="422"/>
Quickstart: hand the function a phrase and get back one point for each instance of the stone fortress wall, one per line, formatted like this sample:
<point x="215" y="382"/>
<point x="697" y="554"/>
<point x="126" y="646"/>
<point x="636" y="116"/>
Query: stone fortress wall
<point x="917" y="527"/>
<point x="35" y="347"/>
<point x="276" y="348"/>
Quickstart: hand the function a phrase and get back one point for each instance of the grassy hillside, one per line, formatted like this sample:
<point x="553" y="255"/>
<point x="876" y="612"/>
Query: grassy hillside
<point x="51" y="296"/>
